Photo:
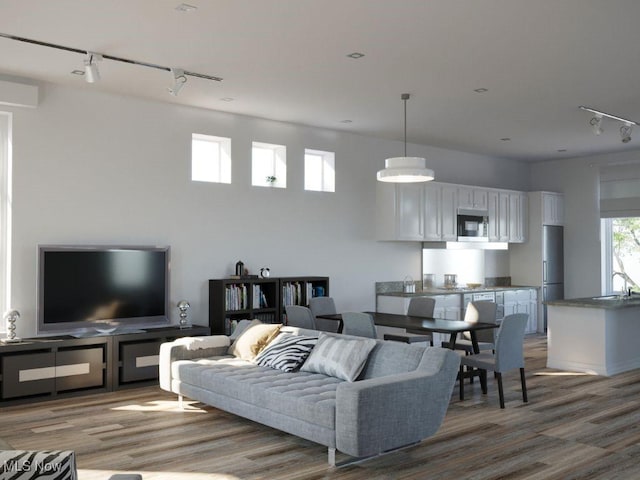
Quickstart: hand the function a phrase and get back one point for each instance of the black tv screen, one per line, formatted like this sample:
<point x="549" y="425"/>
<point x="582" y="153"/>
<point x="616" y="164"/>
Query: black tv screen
<point x="102" y="287"/>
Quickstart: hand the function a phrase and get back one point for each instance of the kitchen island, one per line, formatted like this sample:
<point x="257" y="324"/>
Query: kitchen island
<point x="595" y="335"/>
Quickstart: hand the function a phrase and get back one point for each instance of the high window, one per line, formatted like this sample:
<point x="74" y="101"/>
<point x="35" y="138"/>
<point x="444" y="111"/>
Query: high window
<point x="620" y="214"/>
<point x="319" y="171"/>
<point x="210" y="159"/>
<point x="268" y="165"/>
<point x="5" y="214"/>
<point x="621" y="256"/>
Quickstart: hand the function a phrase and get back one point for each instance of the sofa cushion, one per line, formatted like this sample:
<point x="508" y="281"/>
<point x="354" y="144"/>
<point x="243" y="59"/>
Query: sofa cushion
<point x="253" y="339"/>
<point x="309" y="397"/>
<point x="339" y="356"/>
<point x="286" y="352"/>
<point x="391" y="358"/>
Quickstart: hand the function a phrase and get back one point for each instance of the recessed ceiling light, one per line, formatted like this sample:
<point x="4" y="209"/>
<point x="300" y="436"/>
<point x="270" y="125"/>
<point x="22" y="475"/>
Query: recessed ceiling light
<point x="356" y="55"/>
<point x="506" y="139"/>
<point x="227" y="99"/>
<point x="77" y="72"/>
<point x="186" y="8"/>
<point x="346" y="121"/>
<point x="481" y="90"/>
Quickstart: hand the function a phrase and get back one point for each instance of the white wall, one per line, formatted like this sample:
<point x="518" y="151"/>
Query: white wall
<point x="579" y="180"/>
<point x="97" y="168"/>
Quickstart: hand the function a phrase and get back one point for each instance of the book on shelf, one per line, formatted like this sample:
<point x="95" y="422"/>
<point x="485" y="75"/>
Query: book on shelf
<point x="236" y="297"/>
<point x="259" y="298"/>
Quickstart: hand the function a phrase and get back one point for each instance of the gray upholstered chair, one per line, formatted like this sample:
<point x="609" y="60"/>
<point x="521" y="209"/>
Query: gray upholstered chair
<point x="298" y="316"/>
<point x="359" y="324"/>
<point x="418" y="307"/>
<point x="483" y="312"/>
<point x="508" y="355"/>
<point x="324" y="306"/>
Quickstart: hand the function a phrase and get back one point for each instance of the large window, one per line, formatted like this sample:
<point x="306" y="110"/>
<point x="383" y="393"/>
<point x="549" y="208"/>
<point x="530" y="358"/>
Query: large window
<point x="621" y="254"/>
<point x="5" y="214"/>
<point x="319" y="171"/>
<point x="268" y="165"/>
<point x="210" y="159"/>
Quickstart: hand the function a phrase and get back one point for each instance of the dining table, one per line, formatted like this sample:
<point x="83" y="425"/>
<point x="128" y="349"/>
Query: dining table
<point x="424" y="324"/>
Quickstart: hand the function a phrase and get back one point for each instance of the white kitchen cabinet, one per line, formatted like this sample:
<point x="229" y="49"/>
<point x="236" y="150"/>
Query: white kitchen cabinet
<point x="473" y="198"/>
<point x="449" y="213"/>
<point x="552" y="208"/>
<point x="432" y="212"/>
<point x="522" y="301"/>
<point x="440" y="214"/>
<point x="517" y="217"/>
<point x="498" y="208"/>
<point x="399" y="210"/>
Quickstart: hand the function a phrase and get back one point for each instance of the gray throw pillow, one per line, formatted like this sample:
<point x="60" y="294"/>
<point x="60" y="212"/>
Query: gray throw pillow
<point x="339" y="356"/>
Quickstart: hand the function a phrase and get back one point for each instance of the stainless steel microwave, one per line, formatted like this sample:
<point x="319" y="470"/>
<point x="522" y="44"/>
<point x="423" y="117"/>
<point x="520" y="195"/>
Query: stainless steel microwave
<point x="473" y="225"/>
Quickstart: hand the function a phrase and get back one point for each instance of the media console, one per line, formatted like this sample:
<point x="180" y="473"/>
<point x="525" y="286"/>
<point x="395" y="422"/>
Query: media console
<point x="53" y="367"/>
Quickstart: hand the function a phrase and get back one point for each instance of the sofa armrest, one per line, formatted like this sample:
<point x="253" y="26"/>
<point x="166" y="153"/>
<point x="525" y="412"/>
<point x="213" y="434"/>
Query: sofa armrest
<point x="180" y="350"/>
<point x="380" y="414"/>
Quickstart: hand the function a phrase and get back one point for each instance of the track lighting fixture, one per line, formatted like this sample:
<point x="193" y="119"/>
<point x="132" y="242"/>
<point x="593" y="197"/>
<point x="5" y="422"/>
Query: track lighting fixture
<point x="91" y="68"/>
<point x="625" y="132"/>
<point x="405" y="169"/>
<point x="91" y="72"/>
<point x="178" y="81"/>
<point x="596" y="124"/>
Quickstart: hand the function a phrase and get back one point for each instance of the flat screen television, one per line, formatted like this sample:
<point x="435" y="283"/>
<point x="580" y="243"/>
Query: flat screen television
<point x="84" y="289"/>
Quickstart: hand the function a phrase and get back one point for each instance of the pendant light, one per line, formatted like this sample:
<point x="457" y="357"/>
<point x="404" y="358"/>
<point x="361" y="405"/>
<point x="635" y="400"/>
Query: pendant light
<point x="405" y="169"/>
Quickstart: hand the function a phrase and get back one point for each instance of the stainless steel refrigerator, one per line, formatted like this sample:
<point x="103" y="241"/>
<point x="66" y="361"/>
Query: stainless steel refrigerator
<point x="552" y="265"/>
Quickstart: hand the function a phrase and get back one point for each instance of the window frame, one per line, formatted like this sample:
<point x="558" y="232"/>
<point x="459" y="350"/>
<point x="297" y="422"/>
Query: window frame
<point x="223" y="169"/>
<point x="327" y="185"/>
<point x="6" y="202"/>
<point x="278" y="168"/>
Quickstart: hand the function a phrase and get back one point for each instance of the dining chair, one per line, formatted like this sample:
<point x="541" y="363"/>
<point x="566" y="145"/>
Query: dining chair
<point x="358" y="324"/>
<point x="478" y="312"/>
<point x="509" y="346"/>
<point x="418" y="307"/>
<point x="299" y="316"/>
<point x="324" y="306"/>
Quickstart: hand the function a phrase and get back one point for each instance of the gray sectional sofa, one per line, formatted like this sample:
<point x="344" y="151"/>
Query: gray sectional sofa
<point x="399" y="398"/>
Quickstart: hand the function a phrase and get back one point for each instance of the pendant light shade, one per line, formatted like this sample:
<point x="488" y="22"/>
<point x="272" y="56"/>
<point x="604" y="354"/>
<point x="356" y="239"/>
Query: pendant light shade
<point x="405" y="169"/>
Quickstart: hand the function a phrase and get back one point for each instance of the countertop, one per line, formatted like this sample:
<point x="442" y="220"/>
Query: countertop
<point x="454" y="291"/>
<point x="605" y="302"/>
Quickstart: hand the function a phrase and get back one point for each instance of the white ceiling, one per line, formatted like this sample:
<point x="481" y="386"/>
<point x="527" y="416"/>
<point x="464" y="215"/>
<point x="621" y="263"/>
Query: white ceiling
<point x="287" y="60"/>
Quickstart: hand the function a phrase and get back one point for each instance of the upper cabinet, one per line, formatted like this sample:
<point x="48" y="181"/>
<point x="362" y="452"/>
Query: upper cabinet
<point x="552" y="208"/>
<point x="399" y="210"/>
<point x="498" y="216"/>
<point x="473" y="198"/>
<point x="517" y="217"/>
<point x="428" y="211"/>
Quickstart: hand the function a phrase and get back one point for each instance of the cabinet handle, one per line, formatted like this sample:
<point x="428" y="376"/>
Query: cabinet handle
<point x="544" y="271"/>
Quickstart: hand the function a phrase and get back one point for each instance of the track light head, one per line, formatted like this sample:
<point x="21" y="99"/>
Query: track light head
<point x="596" y="124"/>
<point x="179" y="79"/>
<point x="625" y="132"/>
<point x="91" y="72"/>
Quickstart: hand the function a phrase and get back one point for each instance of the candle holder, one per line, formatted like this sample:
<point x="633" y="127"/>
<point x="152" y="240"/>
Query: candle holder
<point x="183" y="306"/>
<point x="10" y="320"/>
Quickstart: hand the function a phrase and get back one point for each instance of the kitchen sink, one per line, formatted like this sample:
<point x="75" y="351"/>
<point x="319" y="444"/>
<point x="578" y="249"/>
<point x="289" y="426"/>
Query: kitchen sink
<point x="606" y="297"/>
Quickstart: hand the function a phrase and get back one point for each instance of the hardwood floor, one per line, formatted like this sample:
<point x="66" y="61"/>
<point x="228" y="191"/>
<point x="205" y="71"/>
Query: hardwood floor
<point x="574" y="427"/>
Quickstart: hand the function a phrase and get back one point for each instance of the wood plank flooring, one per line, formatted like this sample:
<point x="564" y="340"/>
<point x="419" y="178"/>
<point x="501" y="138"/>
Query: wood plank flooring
<point x="574" y="427"/>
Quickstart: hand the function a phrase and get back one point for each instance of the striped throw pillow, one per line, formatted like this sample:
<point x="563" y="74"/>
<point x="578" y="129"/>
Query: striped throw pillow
<point x="287" y="352"/>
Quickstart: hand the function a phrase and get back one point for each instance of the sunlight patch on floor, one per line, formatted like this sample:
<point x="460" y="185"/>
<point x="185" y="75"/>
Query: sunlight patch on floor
<point x="162" y="406"/>
<point x="565" y="374"/>
<point x="86" y="474"/>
